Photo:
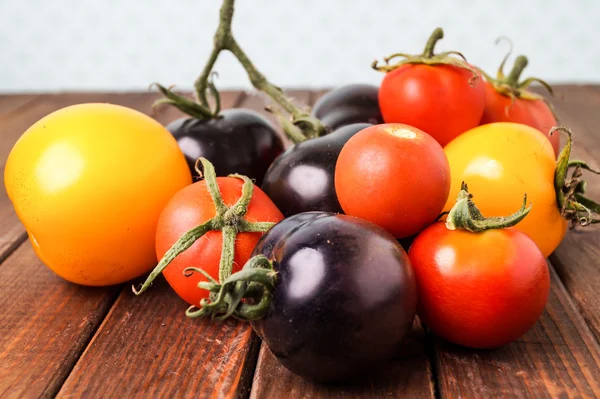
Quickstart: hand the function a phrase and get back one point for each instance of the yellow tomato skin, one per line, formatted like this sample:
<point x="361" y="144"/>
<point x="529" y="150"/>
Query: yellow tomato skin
<point x="500" y="162"/>
<point x="89" y="182"/>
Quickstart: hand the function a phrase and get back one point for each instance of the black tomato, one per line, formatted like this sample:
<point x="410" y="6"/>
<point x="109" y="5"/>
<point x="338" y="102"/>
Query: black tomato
<point x="357" y="103"/>
<point x="239" y="141"/>
<point x="344" y="298"/>
<point x="302" y="178"/>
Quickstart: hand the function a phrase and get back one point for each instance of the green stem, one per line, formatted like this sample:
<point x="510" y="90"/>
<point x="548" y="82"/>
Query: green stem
<point x="255" y="283"/>
<point x="515" y="74"/>
<point x="229" y="234"/>
<point x="437" y="34"/>
<point x="224" y="40"/>
<point x="184" y="242"/>
<point x="222" y="35"/>
<point x="229" y="220"/>
<point x="465" y="215"/>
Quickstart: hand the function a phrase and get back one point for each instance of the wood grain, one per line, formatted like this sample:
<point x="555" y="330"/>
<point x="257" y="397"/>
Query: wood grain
<point x="45" y="324"/>
<point x="179" y="357"/>
<point x="577" y="259"/>
<point x="409" y="375"/>
<point x="558" y="357"/>
<point x="147" y="347"/>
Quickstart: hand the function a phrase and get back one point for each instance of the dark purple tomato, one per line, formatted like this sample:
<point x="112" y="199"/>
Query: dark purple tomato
<point x="240" y="141"/>
<point x="356" y="103"/>
<point x="302" y="178"/>
<point x="344" y="299"/>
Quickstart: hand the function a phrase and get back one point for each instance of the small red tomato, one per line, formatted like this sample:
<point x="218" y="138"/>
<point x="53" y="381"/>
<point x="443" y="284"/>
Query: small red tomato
<point x="507" y="100"/>
<point x="393" y="175"/>
<point x="439" y="94"/>
<point x="479" y="289"/>
<point x="193" y="206"/>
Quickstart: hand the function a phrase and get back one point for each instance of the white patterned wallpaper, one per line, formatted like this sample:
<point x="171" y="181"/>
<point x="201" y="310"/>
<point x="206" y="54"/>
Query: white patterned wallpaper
<point x="49" y="45"/>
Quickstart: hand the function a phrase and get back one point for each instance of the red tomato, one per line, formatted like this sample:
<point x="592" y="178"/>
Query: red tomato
<point x="437" y="99"/>
<point x="393" y="175"/>
<point x="480" y="290"/>
<point x="193" y="206"/>
<point x="532" y="112"/>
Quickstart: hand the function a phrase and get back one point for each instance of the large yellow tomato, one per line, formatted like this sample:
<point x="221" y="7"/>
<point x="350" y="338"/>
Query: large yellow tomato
<point x="500" y="162"/>
<point x="89" y="183"/>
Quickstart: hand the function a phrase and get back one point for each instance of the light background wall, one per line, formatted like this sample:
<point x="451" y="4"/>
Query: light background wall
<point x="52" y="45"/>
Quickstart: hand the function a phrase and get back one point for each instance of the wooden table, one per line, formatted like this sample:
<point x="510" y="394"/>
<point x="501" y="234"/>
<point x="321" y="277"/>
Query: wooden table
<point x="60" y="339"/>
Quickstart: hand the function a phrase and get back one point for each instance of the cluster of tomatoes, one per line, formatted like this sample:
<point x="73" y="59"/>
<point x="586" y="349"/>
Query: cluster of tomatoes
<point x="312" y="255"/>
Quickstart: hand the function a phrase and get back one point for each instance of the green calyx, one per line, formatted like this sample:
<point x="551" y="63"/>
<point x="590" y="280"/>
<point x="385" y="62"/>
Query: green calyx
<point x="574" y="206"/>
<point x="465" y="215"/>
<point x="509" y="85"/>
<point x="229" y="220"/>
<point x="245" y="295"/>
<point x="199" y="110"/>
<point x="428" y="57"/>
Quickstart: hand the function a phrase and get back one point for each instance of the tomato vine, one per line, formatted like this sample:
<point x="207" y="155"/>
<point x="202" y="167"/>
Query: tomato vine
<point x="301" y="126"/>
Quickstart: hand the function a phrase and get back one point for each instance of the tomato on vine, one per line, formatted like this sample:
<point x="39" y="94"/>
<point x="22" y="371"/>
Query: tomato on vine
<point x="508" y="100"/>
<point x="481" y="283"/>
<point x="214" y="224"/>
<point x="437" y="93"/>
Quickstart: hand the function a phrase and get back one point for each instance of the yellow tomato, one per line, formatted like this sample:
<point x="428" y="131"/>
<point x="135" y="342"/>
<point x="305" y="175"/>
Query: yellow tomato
<point x="500" y="162"/>
<point x="89" y="183"/>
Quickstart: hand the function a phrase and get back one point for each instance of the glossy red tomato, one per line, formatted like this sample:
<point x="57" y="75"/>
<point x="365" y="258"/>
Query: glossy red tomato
<point x="437" y="99"/>
<point x="507" y="100"/>
<point x="532" y="112"/>
<point x="437" y="93"/>
<point x="393" y="175"/>
<point x="480" y="290"/>
<point x="192" y="206"/>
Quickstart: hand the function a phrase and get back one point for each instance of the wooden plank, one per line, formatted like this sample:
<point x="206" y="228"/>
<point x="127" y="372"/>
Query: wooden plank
<point x="11" y="103"/>
<point x="179" y="357"/>
<point x="558" y="357"/>
<point x="409" y="375"/>
<point x="577" y="259"/>
<point x="147" y="347"/>
<point x="45" y="324"/>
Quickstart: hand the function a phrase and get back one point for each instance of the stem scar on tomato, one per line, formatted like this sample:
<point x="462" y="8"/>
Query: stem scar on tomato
<point x="229" y="220"/>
